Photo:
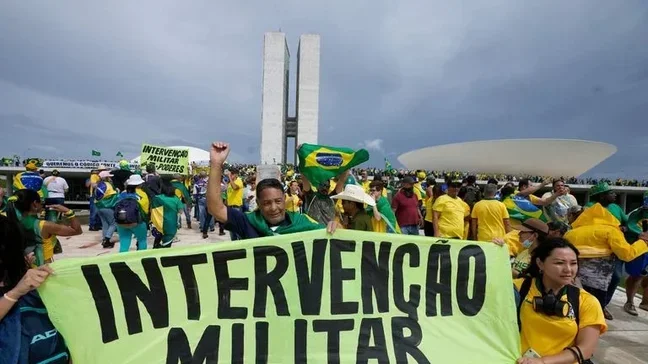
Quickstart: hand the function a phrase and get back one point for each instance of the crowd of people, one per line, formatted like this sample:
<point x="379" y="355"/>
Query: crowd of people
<point x="566" y="260"/>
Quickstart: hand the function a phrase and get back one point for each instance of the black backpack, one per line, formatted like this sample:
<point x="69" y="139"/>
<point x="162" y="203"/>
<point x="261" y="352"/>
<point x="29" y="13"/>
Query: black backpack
<point x="127" y="211"/>
<point x="472" y="196"/>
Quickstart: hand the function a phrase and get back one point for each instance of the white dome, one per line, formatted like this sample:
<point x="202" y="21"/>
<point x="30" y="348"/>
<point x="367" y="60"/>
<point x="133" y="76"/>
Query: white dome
<point x="195" y="154"/>
<point x="544" y="157"/>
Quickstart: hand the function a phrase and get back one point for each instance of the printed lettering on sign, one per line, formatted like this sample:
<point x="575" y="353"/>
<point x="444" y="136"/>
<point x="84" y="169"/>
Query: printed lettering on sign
<point x="350" y="297"/>
<point x="166" y="160"/>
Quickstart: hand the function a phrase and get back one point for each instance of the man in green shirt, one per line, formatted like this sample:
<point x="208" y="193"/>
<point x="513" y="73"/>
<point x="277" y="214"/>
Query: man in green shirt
<point x="603" y="194"/>
<point x="353" y="200"/>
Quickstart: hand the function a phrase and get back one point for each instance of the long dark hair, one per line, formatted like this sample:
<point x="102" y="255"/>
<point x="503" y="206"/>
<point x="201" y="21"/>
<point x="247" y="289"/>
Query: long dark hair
<point x="542" y="251"/>
<point x="12" y="260"/>
<point x="24" y="200"/>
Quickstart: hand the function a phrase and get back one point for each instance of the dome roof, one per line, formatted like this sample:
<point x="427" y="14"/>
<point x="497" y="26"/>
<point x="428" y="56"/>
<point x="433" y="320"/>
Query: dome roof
<point x="195" y="154"/>
<point x="540" y="157"/>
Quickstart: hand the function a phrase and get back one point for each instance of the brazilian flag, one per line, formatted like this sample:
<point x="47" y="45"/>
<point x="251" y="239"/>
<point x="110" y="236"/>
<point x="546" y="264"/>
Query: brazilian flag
<point x="320" y="163"/>
<point x="635" y="221"/>
<point x="520" y="208"/>
<point x="164" y="215"/>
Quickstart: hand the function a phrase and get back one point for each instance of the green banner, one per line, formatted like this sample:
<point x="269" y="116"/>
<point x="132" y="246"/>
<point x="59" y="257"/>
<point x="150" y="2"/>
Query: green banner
<point x="166" y="160"/>
<point x="350" y="297"/>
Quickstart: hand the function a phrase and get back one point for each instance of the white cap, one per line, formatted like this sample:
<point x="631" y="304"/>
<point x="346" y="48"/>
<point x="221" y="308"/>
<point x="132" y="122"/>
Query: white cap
<point x="104" y="174"/>
<point x="134" y="180"/>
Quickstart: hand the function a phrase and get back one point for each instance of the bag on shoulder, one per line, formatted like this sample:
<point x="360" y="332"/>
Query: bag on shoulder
<point x="127" y="211"/>
<point x="473" y="195"/>
<point x="40" y="341"/>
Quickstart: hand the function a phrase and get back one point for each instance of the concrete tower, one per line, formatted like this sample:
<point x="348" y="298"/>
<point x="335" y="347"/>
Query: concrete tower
<point x="276" y="125"/>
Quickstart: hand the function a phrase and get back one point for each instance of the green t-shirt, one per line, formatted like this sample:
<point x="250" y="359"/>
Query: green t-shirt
<point x="361" y="221"/>
<point x="616" y="211"/>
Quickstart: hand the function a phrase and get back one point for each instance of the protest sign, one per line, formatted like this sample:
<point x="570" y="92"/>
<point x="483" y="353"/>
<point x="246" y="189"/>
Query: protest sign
<point x="351" y="297"/>
<point x="266" y="171"/>
<point x="166" y="160"/>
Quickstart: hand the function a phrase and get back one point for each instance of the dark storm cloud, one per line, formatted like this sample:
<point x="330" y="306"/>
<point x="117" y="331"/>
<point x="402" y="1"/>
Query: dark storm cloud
<point x="77" y="75"/>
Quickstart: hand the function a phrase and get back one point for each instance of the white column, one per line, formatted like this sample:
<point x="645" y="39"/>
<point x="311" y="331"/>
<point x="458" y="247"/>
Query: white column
<point x="308" y="84"/>
<point x="274" y="99"/>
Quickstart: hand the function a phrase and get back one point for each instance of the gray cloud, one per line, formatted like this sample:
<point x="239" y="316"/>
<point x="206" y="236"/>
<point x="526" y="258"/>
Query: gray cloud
<point x="76" y="76"/>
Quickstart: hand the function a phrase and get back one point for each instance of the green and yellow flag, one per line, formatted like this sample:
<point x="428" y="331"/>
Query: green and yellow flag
<point x="96" y="153"/>
<point x="320" y="163"/>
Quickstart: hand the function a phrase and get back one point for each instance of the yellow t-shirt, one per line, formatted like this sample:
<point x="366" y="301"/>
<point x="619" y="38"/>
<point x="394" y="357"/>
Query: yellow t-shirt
<point x="453" y="211"/>
<point x="549" y="335"/>
<point x="521" y="261"/>
<point x="94" y="179"/>
<point x="490" y="215"/>
<point x="429" y="215"/>
<point x="292" y="203"/>
<point x="48" y="243"/>
<point x="365" y="186"/>
<point x="235" y="197"/>
<point x="534" y="199"/>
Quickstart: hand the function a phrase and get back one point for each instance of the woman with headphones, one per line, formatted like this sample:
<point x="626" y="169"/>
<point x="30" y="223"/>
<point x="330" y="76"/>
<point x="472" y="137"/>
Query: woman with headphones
<point x="559" y="323"/>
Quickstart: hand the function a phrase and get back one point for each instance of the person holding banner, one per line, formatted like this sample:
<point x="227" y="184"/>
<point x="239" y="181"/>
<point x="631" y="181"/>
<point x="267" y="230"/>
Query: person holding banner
<point x="559" y="322"/>
<point x="26" y="333"/>
<point x="271" y="217"/>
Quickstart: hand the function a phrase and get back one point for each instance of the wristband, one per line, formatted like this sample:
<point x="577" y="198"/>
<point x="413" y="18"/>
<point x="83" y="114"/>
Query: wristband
<point x="578" y="358"/>
<point x="69" y="214"/>
<point x="9" y="298"/>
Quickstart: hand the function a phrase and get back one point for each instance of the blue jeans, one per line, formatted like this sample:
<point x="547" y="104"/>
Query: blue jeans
<point x="187" y="213"/>
<point x="410" y="229"/>
<point x="108" y="226"/>
<point x="94" y="222"/>
<point x="205" y="217"/>
<point x="614" y="283"/>
<point x="126" y="235"/>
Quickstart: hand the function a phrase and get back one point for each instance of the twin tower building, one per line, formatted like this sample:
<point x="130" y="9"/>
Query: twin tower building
<point x="276" y="123"/>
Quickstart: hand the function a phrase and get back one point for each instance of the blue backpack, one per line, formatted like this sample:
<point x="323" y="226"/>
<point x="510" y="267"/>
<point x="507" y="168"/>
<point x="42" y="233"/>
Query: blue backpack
<point x="127" y="210"/>
<point x="28" y="336"/>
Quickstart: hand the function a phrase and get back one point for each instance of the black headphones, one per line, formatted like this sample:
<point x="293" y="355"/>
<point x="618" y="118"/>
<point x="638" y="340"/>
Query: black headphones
<point x="551" y="304"/>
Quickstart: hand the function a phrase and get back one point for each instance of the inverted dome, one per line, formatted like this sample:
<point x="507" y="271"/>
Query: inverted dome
<point x="543" y="157"/>
<point x="195" y="154"/>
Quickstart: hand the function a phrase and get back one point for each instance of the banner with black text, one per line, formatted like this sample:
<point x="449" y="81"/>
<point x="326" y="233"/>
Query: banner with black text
<point x="351" y="297"/>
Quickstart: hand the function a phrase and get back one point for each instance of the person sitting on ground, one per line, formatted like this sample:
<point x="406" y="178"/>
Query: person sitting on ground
<point x="559" y="323"/>
<point x="23" y="316"/>
<point x="41" y="234"/>
<point x="355" y="216"/>
<point x="269" y="219"/>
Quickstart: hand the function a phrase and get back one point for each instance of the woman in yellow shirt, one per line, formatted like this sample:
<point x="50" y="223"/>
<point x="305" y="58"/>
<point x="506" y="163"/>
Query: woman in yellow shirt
<point x="293" y="202"/>
<point x="551" y="329"/>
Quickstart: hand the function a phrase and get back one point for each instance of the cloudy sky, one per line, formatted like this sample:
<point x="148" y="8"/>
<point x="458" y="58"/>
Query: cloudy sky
<point x="395" y="76"/>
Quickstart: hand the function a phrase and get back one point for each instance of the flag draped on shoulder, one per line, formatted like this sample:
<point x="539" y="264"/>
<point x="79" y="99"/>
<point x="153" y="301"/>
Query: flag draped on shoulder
<point x="520" y="208"/>
<point x="320" y="163"/>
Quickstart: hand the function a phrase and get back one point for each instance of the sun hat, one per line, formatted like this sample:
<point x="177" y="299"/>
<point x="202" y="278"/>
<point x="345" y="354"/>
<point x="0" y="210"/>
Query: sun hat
<point x="355" y="193"/>
<point x="134" y="180"/>
<point x="533" y="225"/>
<point x="102" y="167"/>
<point x="599" y="188"/>
<point x="104" y="174"/>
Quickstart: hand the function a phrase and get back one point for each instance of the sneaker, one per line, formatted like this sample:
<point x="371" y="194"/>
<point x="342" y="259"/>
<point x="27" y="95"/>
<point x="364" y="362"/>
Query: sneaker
<point x="211" y="230"/>
<point x="630" y="308"/>
<point x="607" y="314"/>
<point x="205" y="236"/>
<point x="221" y="233"/>
<point x="107" y="244"/>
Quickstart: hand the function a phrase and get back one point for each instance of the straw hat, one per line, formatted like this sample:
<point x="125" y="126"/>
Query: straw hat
<point x="355" y="193"/>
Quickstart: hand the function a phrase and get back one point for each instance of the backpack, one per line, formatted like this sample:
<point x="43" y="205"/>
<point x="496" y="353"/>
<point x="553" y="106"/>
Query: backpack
<point x="28" y="336"/>
<point x="472" y="196"/>
<point x="127" y="211"/>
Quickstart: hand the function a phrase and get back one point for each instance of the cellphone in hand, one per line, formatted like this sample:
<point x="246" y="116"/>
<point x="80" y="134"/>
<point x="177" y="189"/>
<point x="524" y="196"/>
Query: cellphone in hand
<point x="531" y="354"/>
